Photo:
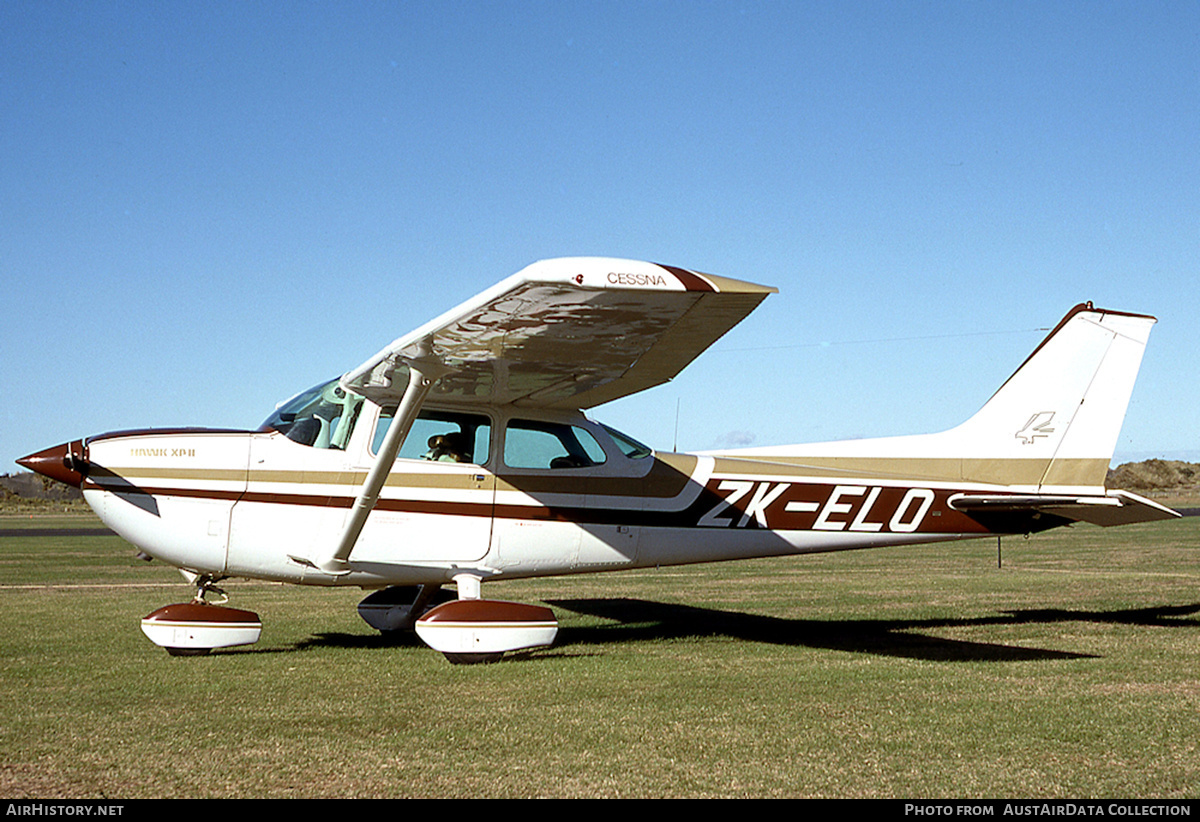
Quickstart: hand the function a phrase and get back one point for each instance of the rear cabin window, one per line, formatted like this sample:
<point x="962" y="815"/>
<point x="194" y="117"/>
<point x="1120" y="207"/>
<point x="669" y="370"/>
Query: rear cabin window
<point x="440" y="436"/>
<point x="535" y="444"/>
<point x="627" y="444"/>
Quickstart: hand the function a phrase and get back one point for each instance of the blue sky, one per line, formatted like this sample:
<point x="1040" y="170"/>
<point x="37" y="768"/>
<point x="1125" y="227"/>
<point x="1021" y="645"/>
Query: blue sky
<point x="206" y="207"/>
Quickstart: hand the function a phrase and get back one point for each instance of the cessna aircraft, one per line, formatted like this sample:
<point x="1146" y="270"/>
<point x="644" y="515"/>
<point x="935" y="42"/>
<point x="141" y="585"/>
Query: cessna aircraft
<point x="461" y="453"/>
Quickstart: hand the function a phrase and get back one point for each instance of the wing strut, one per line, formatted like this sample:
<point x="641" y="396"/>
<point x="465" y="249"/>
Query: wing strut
<point x="423" y="373"/>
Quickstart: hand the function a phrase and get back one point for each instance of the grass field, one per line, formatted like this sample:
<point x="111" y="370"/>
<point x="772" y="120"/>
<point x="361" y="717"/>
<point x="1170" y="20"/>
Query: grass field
<point x="1073" y="671"/>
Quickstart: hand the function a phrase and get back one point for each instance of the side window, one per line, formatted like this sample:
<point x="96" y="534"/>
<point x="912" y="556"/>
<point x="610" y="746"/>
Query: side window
<point x="440" y="436"/>
<point x="533" y="444"/>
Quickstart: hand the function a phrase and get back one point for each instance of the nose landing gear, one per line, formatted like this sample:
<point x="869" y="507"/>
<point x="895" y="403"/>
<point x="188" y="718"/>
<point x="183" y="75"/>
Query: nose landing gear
<point x="195" y="628"/>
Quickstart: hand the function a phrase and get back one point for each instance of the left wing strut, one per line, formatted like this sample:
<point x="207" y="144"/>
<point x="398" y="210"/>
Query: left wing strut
<point x="423" y="373"/>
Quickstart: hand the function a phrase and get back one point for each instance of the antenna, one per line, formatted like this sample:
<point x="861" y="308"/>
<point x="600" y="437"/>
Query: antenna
<point x="675" y="442"/>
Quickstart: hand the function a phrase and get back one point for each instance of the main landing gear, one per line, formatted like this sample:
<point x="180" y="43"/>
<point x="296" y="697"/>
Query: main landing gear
<point x="195" y="628"/>
<point x="396" y="609"/>
<point x="468" y="630"/>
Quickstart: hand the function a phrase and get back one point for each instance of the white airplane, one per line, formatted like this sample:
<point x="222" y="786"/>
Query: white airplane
<point x="461" y="454"/>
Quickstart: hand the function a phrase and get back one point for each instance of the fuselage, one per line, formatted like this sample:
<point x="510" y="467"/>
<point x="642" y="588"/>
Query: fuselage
<point x="526" y="494"/>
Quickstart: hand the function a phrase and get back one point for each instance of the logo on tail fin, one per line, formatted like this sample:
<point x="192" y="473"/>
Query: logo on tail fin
<point x="1038" y="426"/>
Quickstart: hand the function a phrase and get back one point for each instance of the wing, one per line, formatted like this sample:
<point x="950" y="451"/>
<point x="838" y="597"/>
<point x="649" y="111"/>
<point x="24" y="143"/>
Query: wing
<point x="566" y="333"/>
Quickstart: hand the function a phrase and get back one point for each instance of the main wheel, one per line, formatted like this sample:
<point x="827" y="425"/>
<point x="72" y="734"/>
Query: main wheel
<point x="188" y="651"/>
<point x="390" y="610"/>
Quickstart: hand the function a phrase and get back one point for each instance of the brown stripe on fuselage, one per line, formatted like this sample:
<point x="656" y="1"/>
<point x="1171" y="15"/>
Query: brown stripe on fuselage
<point x="779" y="493"/>
<point x="667" y="478"/>
<point x="941" y="519"/>
<point x="122" y="486"/>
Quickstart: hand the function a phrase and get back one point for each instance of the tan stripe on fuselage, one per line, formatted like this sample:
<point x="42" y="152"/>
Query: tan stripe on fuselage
<point x="186" y="474"/>
<point x="667" y="478"/>
<point x="992" y="471"/>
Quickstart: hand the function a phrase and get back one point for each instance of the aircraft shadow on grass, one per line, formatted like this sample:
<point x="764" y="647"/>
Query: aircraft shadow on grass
<point x="637" y="620"/>
<point x="644" y="620"/>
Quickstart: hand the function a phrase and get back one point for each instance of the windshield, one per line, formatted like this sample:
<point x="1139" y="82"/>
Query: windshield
<point x="322" y="417"/>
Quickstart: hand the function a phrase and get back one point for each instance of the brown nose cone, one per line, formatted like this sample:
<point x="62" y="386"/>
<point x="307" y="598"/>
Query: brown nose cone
<point x="65" y="463"/>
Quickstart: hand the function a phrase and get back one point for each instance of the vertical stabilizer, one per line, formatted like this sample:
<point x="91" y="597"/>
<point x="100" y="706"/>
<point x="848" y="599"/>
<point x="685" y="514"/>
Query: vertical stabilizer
<point x="1064" y="406"/>
<point x="1051" y="427"/>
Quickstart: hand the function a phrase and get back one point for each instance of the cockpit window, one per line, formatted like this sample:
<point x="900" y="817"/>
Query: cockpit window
<point x="535" y="444"/>
<point x="440" y="436"/>
<point x="321" y="417"/>
<point x="628" y="445"/>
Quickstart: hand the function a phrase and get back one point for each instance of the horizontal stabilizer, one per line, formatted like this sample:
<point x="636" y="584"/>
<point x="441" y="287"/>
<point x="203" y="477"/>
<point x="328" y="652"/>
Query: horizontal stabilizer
<point x="1114" y="508"/>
